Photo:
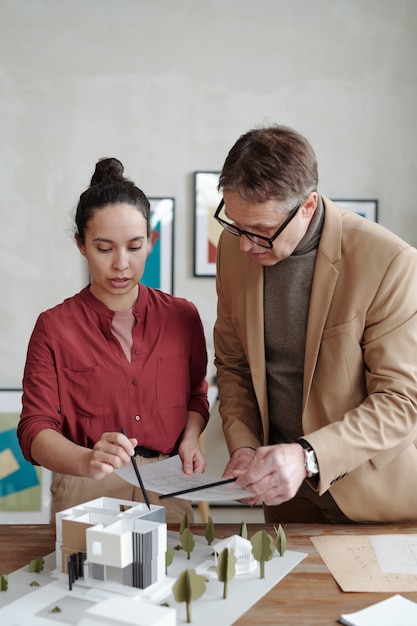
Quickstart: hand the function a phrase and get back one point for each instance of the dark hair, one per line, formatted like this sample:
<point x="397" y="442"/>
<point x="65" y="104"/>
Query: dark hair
<point x="109" y="186"/>
<point x="275" y="162"/>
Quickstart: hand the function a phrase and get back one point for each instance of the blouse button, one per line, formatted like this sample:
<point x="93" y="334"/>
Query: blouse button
<point x="137" y="352"/>
<point x="137" y="417"/>
<point x="134" y="381"/>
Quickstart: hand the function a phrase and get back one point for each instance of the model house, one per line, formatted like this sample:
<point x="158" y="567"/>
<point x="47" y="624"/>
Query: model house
<point x="113" y="540"/>
<point x="245" y="561"/>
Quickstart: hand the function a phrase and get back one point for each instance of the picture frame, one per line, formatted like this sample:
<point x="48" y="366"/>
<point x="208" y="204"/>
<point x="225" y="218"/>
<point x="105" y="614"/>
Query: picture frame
<point x="206" y="229"/>
<point x="365" y="208"/>
<point x="25" y="496"/>
<point x="159" y="269"/>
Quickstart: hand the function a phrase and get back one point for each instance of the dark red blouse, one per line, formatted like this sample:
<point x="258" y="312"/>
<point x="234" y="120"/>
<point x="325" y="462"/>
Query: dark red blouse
<point x="78" y="381"/>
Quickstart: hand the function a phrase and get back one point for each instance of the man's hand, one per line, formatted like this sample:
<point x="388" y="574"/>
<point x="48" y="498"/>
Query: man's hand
<point x="238" y="464"/>
<point x="239" y="461"/>
<point x="273" y="473"/>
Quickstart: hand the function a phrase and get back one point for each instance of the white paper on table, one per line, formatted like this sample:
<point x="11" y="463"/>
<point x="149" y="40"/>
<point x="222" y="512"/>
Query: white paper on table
<point x="167" y="477"/>
<point x="396" y="554"/>
<point x="394" y="611"/>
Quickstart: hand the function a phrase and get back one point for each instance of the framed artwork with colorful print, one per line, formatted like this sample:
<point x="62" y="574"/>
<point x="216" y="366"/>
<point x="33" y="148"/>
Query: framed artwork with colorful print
<point x="365" y="208"/>
<point x="159" y="269"/>
<point x="206" y="229"/>
<point x="25" y="496"/>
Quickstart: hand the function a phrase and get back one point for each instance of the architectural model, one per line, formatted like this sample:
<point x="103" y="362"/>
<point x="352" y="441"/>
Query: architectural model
<point x="109" y="568"/>
<point x="114" y="541"/>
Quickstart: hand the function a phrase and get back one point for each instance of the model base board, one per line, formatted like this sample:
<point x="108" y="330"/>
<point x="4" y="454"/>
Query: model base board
<point x="101" y="604"/>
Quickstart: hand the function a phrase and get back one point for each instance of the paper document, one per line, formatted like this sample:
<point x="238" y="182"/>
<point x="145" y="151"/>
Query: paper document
<point x="167" y="477"/>
<point x="396" y="554"/>
<point x="397" y="610"/>
<point x="356" y="566"/>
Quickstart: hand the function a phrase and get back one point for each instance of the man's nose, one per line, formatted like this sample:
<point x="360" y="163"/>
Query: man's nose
<point x="246" y="245"/>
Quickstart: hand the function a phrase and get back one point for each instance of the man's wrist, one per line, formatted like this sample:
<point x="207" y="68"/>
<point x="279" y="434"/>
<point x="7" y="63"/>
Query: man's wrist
<point x="310" y="461"/>
<point x="243" y="450"/>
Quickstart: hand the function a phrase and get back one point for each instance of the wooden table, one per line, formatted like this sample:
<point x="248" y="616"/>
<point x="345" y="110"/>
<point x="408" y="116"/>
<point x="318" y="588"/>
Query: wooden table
<point x="308" y="596"/>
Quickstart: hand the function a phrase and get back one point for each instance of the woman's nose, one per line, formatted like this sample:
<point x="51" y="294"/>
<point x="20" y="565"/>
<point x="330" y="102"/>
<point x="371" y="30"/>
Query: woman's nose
<point x="121" y="260"/>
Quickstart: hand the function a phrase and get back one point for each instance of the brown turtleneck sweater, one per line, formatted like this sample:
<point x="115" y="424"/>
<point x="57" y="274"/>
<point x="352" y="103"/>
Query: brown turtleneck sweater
<point x="287" y="288"/>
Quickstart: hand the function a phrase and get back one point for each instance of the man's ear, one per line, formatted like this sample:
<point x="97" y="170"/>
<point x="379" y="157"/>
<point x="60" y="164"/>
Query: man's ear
<point x="310" y="205"/>
<point x="80" y="244"/>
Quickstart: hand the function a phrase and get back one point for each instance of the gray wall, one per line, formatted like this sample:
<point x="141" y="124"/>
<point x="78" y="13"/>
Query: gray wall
<point x="167" y="86"/>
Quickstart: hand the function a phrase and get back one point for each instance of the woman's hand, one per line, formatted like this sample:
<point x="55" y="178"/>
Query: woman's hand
<point x="191" y="454"/>
<point x="110" y="452"/>
<point x="58" y="454"/>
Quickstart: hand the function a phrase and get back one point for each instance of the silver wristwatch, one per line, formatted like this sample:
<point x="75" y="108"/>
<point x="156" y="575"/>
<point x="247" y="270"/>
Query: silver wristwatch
<point x="310" y="461"/>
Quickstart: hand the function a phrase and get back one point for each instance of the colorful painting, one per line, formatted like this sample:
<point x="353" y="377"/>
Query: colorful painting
<point x="159" y="270"/>
<point x="24" y="488"/>
<point x="207" y="230"/>
<point x="365" y="208"/>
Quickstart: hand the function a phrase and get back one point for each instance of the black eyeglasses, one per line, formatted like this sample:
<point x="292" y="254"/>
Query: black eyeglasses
<point x="260" y="240"/>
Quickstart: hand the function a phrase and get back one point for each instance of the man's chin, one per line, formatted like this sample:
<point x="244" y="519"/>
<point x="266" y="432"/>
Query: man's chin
<point x="264" y="259"/>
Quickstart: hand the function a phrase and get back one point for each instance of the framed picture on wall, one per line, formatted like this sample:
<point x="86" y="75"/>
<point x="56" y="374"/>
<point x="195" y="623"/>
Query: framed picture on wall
<point x="366" y="208"/>
<point x="159" y="270"/>
<point x="206" y="229"/>
<point x="25" y="496"/>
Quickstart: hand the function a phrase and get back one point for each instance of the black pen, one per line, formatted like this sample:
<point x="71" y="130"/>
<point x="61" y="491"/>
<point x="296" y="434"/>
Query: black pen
<point x="191" y="489"/>
<point x="138" y="476"/>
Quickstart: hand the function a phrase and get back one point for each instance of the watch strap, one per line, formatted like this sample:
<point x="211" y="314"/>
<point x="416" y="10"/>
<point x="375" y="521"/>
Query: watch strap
<point x="310" y="460"/>
<point x="305" y="445"/>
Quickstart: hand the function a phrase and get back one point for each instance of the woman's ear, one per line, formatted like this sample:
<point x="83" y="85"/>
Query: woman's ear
<point x="80" y="244"/>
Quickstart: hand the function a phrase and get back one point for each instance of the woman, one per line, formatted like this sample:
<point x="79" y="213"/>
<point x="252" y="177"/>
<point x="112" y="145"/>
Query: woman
<point x="116" y="355"/>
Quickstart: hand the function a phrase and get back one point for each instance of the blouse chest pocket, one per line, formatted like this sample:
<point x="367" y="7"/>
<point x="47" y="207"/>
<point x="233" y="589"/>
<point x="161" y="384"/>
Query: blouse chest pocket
<point x="86" y="392"/>
<point x="172" y="382"/>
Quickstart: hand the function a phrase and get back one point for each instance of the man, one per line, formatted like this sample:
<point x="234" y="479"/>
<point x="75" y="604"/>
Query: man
<point x="315" y="343"/>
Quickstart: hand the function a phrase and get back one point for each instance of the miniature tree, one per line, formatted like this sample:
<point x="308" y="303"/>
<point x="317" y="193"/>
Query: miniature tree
<point x="209" y="534"/>
<point x="243" y="530"/>
<point x="280" y="540"/>
<point x="36" y="564"/>
<point x="226" y="568"/>
<point x="169" y="557"/>
<point x="4" y="583"/>
<point x="185" y="523"/>
<point x="262" y="548"/>
<point x="187" y="541"/>
<point x="189" y="586"/>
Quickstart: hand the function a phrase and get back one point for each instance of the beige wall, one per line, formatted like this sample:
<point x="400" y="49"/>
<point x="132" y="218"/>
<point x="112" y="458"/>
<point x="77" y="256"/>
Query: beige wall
<point x="167" y="86"/>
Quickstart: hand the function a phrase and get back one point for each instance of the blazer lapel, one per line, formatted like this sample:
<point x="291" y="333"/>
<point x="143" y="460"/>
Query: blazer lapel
<point x="324" y="283"/>
<point x="254" y="302"/>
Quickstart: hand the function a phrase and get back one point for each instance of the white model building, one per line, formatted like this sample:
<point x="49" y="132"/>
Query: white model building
<point x="112" y="540"/>
<point x="245" y="561"/>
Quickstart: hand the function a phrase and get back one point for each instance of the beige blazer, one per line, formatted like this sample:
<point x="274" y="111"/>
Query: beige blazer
<point x="360" y="369"/>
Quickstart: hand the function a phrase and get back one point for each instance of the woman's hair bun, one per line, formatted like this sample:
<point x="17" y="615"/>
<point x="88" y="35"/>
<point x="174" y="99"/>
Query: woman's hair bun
<point x="108" y="170"/>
